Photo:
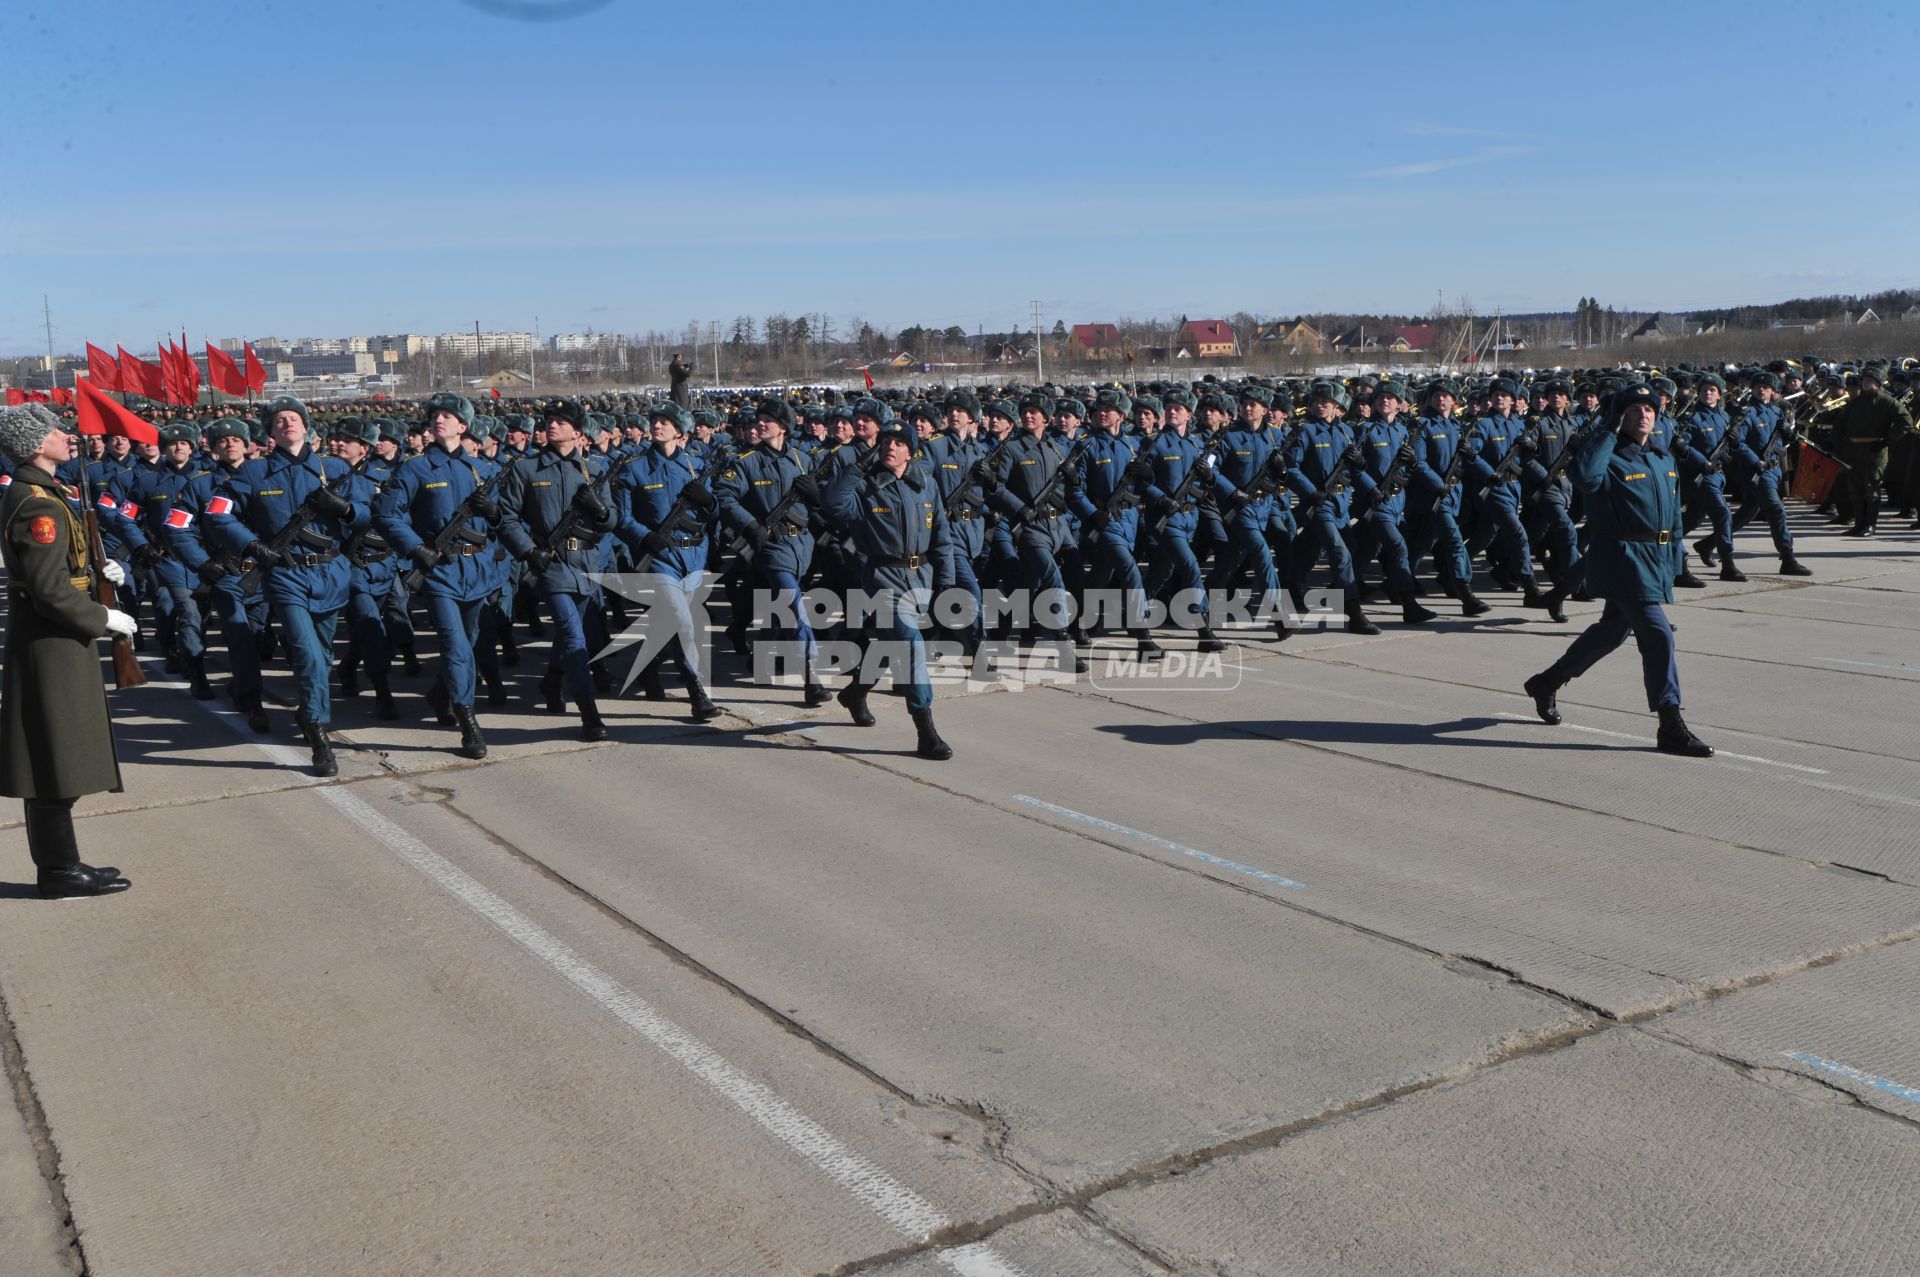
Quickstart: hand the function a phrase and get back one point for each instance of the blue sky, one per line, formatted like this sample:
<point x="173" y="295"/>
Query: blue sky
<point x="301" y="169"/>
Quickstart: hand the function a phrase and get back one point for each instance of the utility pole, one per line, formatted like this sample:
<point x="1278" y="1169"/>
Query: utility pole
<point x="713" y="335"/>
<point x="1039" y="351"/>
<point x="46" y="310"/>
<point x="533" y="372"/>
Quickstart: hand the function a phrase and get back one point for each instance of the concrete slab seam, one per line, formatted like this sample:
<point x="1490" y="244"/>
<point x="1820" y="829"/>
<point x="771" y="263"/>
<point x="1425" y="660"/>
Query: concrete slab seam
<point x="27" y="1100"/>
<point x="1194" y="853"/>
<point x="894" y="1202"/>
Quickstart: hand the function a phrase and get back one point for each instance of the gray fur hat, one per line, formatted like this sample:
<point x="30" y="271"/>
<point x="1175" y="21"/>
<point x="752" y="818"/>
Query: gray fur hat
<point x="24" y="428"/>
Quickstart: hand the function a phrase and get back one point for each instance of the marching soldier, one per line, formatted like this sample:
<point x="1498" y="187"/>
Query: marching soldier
<point x="437" y="513"/>
<point x="1867" y="425"/>
<point x="156" y="494"/>
<point x="1106" y="497"/>
<point x="1317" y="460"/>
<point x="1380" y="482"/>
<point x="286" y="512"/>
<point x="1033" y="506"/>
<point x="1441" y="450"/>
<point x="243" y="616"/>
<point x="1175" y="453"/>
<point x="373" y="569"/>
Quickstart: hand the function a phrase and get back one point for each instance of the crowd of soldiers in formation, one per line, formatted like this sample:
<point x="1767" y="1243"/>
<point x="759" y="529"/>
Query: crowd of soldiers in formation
<point x="495" y="528"/>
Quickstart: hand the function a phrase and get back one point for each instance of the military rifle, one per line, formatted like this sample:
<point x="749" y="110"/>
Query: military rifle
<point x="455" y="530"/>
<point x="1202" y="464"/>
<point x="569" y="525"/>
<point x="1509" y="465"/>
<point x="1044" y="499"/>
<point x="744" y="548"/>
<point x="126" y="666"/>
<point x="976" y="473"/>
<point x="1335" y="477"/>
<point x="1468" y="446"/>
<point x="694" y="493"/>
<point x="1396" y="476"/>
<point x="296" y="527"/>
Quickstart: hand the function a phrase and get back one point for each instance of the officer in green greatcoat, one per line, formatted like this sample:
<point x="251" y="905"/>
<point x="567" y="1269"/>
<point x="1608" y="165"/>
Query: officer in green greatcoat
<point x="1866" y="427"/>
<point x="56" y="742"/>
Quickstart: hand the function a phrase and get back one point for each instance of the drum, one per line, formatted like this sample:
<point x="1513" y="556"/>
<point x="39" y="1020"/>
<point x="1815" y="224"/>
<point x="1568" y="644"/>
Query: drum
<point x="1816" y="473"/>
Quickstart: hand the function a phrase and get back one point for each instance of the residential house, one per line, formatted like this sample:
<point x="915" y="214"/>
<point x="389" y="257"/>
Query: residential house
<point x="1087" y="343"/>
<point x="1294" y="336"/>
<point x="1205" y="339"/>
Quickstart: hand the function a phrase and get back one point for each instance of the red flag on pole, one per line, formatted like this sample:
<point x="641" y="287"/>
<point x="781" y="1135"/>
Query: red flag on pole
<point x="15" y="396"/>
<point x="138" y="377"/>
<point x="222" y="373"/>
<point x="169" y="376"/>
<point x="494" y="391"/>
<point x="256" y="373"/>
<point x="190" y="370"/>
<point x="100" y="415"/>
<point x="39" y="396"/>
<point x="62" y="396"/>
<point x="868" y="374"/>
<point x="102" y="371"/>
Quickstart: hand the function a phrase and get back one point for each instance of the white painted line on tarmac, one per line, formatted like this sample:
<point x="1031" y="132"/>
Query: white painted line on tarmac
<point x="1868" y="665"/>
<point x="1648" y="740"/>
<point x="887" y="1197"/>
<point x="1856" y="792"/>
<point x="1156" y="840"/>
<point x="1852" y="1074"/>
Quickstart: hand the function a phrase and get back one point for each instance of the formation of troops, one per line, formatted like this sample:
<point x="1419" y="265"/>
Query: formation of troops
<point x="332" y="541"/>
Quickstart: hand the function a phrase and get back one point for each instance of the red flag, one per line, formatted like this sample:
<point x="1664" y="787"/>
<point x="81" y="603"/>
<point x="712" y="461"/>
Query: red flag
<point x="138" y="377"/>
<point x="15" y="396"/>
<point x="189" y="370"/>
<point x="100" y="415"/>
<point x="169" y="378"/>
<point x="61" y="396"/>
<point x="868" y="374"/>
<point x="38" y="396"/>
<point x="256" y="374"/>
<point x="494" y="391"/>
<point x="102" y="371"/>
<point x="223" y="373"/>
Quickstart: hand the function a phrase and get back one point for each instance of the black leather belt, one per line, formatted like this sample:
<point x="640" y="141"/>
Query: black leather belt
<point x="911" y="563"/>
<point x="1652" y="538"/>
<point x="311" y="560"/>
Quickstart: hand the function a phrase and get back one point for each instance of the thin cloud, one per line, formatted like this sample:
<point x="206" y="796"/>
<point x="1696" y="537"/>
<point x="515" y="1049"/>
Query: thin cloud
<point x="1431" y="129"/>
<point x="1421" y="168"/>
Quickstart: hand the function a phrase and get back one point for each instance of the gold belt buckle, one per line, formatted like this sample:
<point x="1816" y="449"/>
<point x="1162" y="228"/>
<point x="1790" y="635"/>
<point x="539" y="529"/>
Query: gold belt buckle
<point x="1663" y="536"/>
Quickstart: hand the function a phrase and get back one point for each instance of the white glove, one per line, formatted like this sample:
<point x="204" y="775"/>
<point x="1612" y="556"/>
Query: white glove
<point x="115" y="574"/>
<point x="120" y="623"/>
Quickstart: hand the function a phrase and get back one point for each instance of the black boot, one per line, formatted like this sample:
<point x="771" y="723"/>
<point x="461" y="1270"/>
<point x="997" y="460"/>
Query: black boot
<point x="383" y="707"/>
<point x="1687" y="580"/>
<point x="441" y="704"/>
<point x="1144" y="644"/>
<point x="1554" y="601"/>
<point x="1728" y="572"/>
<point x="812" y="692"/>
<point x="854" y="697"/>
<point x="1209" y="641"/>
<point x="1794" y="567"/>
<point x="197" y="685"/>
<point x="80" y="880"/>
<point x="323" y="761"/>
<point x="509" y="649"/>
<point x="699" y="704"/>
<point x="256" y="712"/>
<point x="1411" y="613"/>
<point x="930" y="746"/>
<point x="349" y="679"/>
<point x="1470" y="603"/>
<point x="410" y="660"/>
<point x="472" y="744"/>
<point x="650" y="682"/>
<point x="1676" y="738"/>
<point x="1531" y="594"/>
<point x="602" y="677"/>
<point x="1708" y="552"/>
<point x="550" y="689"/>
<point x="496" y="692"/>
<point x="1357" y="622"/>
<point x="592" y="726"/>
<point x="1543" y="688"/>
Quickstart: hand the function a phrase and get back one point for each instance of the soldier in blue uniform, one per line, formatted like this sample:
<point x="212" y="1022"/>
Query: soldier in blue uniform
<point x="956" y="457"/>
<point x="156" y="493"/>
<point x="1034" y="508"/>
<point x="373" y="567"/>
<point x="747" y="491"/>
<point x="433" y="491"/>
<point x="1106" y="499"/>
<point x="1547" y="497"/>
<point x="1322" y="453"/>
<point x="1172" y="494"/>
<point x="1251" y="468"/>
<point x="1498" y="503"/>
<point x="1759" y="446"/>
<point x="1703" y="479"/>
<point x="1435" y="521"/>
<point x="1633" y="491"/>
<point x="307" y="582"/>
<point x="243" y="617"/>
<point x="1380" y="497"/>
<point x="552" y="517"/>
<point x="898" y="527"/>
<point x="661" y="508"/>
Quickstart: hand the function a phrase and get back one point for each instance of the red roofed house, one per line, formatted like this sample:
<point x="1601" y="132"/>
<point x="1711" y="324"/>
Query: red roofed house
<point x="1205" y="339"/>
<point x="1094" y="341"/>
<point x="1417" y="336"/>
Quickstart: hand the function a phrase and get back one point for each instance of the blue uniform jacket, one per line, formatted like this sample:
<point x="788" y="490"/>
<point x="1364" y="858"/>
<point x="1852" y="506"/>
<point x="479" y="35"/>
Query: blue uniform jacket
<point x="898" y="527"/>
<point x="536" y="494"/>
<point x="750" y="486"/>
<point x="1245" y="454"/>
<point x="644" y="490"/>
<point x="1102" y="468"/>
<point x="1173" y="456"/>
<point x="420" y="500"/>
<point x="160" y="491"/>
<point x="1380" y="442"/>
<point x="258" y="499"/>
<point x="1311" y="458"/>
<point x="1633" y="516"/>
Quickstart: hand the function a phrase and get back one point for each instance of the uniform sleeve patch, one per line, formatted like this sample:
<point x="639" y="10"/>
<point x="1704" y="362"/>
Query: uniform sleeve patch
<point x="220" y="505"/>
<point x="42" y="530"/>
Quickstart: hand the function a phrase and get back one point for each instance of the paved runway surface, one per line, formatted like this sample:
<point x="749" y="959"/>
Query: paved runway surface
<point x="1355" y="968"/>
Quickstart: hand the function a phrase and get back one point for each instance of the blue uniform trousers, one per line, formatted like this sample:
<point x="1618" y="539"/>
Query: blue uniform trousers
<point x="458" y="625"/>
<point x="309" y="639"/>
<point x="1647" y="622"/>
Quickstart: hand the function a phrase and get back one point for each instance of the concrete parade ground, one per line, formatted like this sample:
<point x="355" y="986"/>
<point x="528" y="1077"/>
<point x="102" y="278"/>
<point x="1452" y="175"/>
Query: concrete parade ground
<point x="1354" y="968"/>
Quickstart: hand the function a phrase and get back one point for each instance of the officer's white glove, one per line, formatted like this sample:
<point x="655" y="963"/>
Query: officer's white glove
<point x="115" y="574"/>
<point x="120" y="623"/>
